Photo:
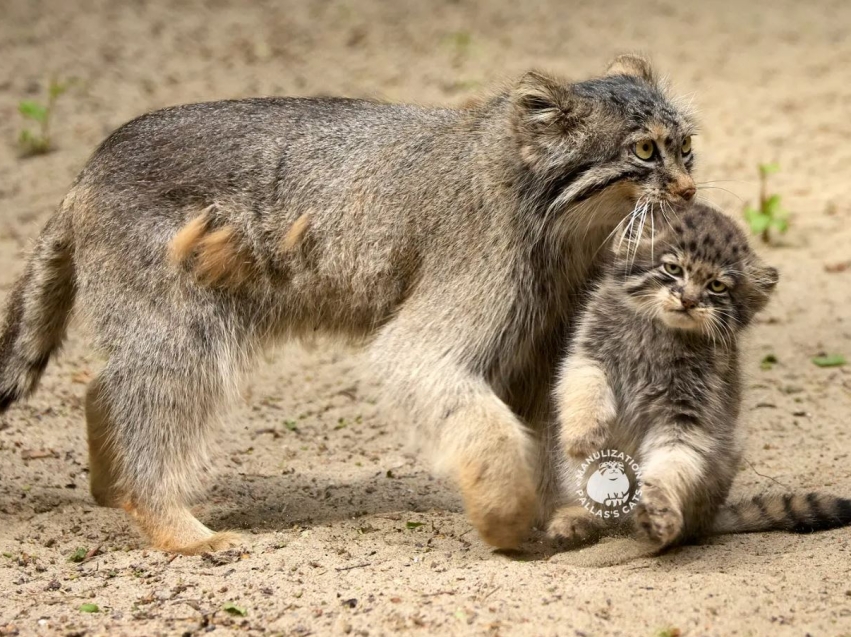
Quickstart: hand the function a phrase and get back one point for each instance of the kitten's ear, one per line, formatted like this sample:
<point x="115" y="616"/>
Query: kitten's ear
<point x="542" y="103"/>
<point x="764" y="279"/>
<point x="634" y="66"/>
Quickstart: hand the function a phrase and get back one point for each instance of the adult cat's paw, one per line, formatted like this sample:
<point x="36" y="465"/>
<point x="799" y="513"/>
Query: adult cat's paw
<point x="657" y="518"/>
<point x="573" y="525"/>
<point x="500" y="499"/>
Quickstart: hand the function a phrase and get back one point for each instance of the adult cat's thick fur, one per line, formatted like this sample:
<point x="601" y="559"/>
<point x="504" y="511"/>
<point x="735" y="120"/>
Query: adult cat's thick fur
<point x="453" y="241"/>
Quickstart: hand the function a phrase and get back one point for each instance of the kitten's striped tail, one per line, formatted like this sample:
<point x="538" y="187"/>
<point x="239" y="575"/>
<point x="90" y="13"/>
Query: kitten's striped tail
<point x="795" y="513"/>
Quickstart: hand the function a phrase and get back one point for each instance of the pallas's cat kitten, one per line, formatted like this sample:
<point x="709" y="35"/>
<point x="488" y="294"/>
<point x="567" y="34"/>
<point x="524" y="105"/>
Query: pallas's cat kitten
<point x="653" y="374"/>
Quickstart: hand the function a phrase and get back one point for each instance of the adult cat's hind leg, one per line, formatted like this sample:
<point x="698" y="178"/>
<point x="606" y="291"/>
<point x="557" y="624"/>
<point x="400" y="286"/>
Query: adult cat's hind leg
<point x="148" y="415"/>
<point x="103" y="476"/>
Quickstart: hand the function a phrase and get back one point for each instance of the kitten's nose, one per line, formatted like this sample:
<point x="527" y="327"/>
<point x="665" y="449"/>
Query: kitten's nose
<point x="688" y="303"/>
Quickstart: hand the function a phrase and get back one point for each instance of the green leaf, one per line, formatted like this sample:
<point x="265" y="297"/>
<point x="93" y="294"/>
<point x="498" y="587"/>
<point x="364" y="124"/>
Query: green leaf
<point x="89" y="608"/>
<point x="233" y="609"/>
<point x="291" y="425"/>
<point x="770" y="168"/>
<point x="33" y="110"/>
<point x="772" y="205"/>
<point x="768" y="361"/>
<point x="781" y="223"/>
<point x="830" y="360"/>
<point x="757" y="221"/>
<point x="79" y="555"/>
<point x="414" y="525"/>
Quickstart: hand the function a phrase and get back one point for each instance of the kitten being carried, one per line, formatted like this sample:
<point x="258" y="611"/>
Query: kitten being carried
<point x="653" y="372"/>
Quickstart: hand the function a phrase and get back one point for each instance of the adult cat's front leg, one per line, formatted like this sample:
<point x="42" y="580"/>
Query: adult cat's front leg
<point x="473" y="436"/>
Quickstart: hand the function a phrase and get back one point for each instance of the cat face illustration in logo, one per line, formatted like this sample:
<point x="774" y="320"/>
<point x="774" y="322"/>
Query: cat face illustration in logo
<point x="609" y="485"/>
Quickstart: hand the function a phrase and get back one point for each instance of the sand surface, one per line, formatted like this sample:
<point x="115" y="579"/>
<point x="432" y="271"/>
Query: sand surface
<point x="322" y="484"/>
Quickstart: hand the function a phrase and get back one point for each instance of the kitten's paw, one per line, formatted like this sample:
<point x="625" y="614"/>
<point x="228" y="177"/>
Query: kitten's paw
<point x="580" y="447"/>
<point x="657" y="518"/>
<point x="573" y="525"/>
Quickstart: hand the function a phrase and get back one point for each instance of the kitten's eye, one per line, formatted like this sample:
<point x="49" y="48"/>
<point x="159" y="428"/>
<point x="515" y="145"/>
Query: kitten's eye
<point x="717" y="287"/>
<point x="645" y="150"/>
<point x="687" y="145"/>
<point x="673" y="269"/>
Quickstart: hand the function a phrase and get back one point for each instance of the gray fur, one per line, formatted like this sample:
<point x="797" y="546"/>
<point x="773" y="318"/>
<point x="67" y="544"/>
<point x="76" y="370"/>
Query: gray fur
<point x="452" y="242"/>
<point x="653" y="372"/>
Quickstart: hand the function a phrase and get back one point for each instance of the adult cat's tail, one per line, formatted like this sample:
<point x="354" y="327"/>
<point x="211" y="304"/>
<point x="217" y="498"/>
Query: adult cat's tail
<point x="37" y="311"/>
<point x="795" y="513"/>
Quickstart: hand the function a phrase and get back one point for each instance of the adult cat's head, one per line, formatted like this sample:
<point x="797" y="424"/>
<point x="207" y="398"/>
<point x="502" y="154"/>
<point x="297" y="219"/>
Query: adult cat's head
<point x="616" y="143"/>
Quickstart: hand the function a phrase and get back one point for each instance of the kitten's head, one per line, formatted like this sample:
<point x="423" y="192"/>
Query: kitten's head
<point x="696" y="273"/>
<point x="617" y="136"/>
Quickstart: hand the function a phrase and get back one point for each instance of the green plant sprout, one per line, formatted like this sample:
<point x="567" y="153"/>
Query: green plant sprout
<point x="768" y="215"/>
<point x="38" y="142"/>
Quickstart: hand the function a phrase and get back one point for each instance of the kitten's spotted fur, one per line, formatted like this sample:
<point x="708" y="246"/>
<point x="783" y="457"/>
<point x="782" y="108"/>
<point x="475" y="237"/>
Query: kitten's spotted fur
<point x="452" y="241"/>
<point x="653" y="372"/>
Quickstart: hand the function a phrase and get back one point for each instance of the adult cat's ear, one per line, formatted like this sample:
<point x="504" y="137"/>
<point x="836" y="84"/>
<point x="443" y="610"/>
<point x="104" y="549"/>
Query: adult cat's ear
<point x="632" y="65"/>
<point x="542" y="103"/>
<point x="546" y="112"/>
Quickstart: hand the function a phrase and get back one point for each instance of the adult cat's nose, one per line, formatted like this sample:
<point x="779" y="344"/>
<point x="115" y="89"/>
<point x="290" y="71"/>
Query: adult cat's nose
<point x="688" y="303"/>
<point x="688" y="193"/>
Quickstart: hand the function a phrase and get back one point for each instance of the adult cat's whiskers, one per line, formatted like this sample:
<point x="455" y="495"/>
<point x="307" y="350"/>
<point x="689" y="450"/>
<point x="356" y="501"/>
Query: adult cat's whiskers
<point x="704" y="187"/>
<point x="631" y="218"/>
<point x="662" y="206"/>
<point x="617" y="228"/>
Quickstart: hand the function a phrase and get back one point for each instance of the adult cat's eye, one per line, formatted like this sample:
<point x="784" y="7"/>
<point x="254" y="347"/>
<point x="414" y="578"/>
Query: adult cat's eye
<point x="687" y="145"/>
<point x="644" y="149"/>
<point x="673" y="269"/>
<point x="717" y="287"/>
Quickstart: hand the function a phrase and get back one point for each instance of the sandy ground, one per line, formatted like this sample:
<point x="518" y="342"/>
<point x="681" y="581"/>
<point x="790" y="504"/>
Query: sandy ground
<point x="322" y="483"/>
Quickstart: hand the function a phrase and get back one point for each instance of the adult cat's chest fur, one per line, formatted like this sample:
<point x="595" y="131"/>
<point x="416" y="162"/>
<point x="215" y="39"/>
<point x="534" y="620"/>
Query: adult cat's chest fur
<point x="549" y="280"/>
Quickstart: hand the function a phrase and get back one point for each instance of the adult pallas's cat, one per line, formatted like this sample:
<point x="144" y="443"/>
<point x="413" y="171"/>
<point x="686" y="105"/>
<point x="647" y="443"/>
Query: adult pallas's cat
<point x="451" y="241"/>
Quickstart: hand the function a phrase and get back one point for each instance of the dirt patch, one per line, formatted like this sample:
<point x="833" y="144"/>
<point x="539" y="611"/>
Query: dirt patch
<point x="344" y="531"/>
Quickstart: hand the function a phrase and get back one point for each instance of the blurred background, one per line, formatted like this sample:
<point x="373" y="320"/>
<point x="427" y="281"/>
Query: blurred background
<point x="347" y="531"/>
<point x="767" y="76"/>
